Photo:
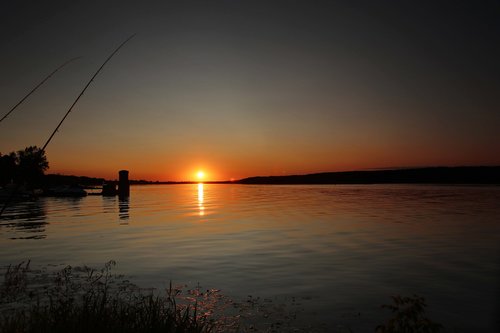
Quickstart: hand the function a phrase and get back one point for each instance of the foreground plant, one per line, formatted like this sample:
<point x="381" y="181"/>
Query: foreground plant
<point x="408" y="317"/>
<point x="83" y="299"/>
<point x="15" y="281"/>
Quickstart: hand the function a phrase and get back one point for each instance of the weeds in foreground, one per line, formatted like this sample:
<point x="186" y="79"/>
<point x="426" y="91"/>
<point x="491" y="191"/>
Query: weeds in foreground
<point x="83" y="299"/>
<point x="408" y="317"/>
<point x="15" y="281"/>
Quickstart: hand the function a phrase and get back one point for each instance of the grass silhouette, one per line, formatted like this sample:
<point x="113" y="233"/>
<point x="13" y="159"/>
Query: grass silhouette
<point x="84" y="299"/>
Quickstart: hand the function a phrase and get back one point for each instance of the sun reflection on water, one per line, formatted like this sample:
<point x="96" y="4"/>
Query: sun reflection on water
<point x="200" y="199"/>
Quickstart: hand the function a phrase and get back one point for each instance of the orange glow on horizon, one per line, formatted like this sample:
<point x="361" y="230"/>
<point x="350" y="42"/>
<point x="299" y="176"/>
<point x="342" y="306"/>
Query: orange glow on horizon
<point x="197" y="167"/>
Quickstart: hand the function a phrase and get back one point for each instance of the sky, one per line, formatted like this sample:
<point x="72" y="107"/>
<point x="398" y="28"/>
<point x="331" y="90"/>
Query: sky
<point x="241" y="88"/>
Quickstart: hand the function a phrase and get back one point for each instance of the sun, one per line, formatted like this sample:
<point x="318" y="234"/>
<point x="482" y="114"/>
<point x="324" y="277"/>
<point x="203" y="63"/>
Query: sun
<point x="200" y="174"/>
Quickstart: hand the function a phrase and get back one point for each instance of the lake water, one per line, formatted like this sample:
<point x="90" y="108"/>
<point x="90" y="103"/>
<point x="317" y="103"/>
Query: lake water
<point x="343" y="250"/>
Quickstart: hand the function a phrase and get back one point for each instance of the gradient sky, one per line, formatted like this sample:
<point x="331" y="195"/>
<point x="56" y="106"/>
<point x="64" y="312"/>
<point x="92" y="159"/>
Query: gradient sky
<point x="241" y="88"/>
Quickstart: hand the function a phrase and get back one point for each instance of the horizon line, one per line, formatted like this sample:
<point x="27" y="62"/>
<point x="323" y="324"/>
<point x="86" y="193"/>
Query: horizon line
<point x="287" y="175"/>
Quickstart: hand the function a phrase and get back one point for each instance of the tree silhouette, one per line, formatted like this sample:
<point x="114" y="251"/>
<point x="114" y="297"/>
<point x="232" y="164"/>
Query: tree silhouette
<point x="8" y="168"/>
<point x="24" y="166"/>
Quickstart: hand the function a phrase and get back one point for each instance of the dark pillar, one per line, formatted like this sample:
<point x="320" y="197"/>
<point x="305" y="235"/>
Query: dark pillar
<point x="123" y="184"/>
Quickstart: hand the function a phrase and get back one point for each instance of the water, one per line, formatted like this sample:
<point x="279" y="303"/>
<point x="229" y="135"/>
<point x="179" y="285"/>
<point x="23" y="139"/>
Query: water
<point x="341" y="250"/>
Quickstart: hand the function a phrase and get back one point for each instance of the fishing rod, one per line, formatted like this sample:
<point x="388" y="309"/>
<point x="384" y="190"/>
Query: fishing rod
<point x="37" y="86"/>
<point x="67" y="113"/>
<point x="85" y="88"/>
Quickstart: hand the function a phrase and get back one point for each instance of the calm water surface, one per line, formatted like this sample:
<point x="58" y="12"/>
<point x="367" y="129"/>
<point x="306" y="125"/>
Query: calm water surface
<point x="341" y="249"/>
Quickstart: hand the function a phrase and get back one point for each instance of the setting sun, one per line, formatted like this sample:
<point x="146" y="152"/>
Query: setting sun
<point x="200" y="175"/>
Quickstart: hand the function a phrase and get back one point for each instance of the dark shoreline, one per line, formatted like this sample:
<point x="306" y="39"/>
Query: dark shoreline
<point x="433" y="175"/>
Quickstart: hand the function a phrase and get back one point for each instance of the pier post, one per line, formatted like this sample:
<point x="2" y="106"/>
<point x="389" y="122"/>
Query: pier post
<point x="123" y="184"/>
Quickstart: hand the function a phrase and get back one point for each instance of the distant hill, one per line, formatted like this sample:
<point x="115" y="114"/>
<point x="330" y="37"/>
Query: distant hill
<point x="431" y="175"/>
